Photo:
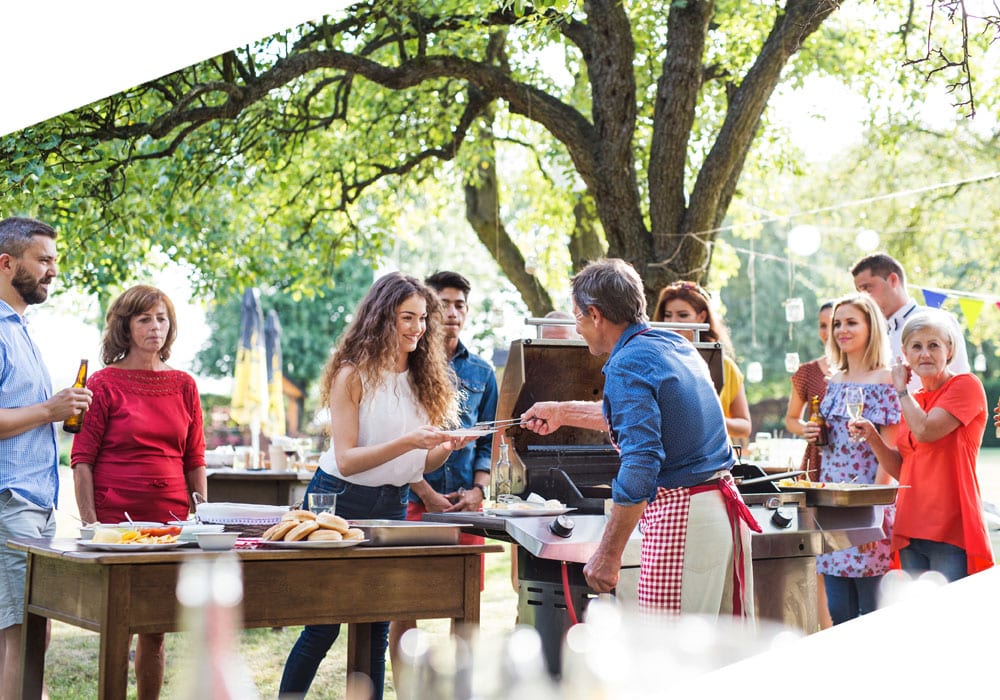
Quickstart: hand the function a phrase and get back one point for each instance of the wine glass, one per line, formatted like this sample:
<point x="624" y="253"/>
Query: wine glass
<point x="855" y="404"/>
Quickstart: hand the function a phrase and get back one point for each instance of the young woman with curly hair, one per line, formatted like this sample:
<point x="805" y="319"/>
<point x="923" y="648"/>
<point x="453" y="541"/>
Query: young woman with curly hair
<point x="389" y="389"/>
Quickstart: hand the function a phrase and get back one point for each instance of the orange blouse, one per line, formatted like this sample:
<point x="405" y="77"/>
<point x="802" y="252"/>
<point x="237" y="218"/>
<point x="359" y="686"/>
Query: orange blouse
<point x="942" y="502"/>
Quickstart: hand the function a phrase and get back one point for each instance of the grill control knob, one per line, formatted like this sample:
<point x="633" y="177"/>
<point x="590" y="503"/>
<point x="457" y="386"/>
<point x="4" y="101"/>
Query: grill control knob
<point x="562" y="526"/>
<point x="780" y="519"/>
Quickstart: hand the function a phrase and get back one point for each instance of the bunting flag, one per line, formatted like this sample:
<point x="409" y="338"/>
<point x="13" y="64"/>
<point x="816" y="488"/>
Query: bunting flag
<point x="971" y="309"/>
<point x="933" y="299"/>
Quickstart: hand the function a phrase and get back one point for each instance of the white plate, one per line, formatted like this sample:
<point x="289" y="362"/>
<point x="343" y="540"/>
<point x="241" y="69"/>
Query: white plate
<point x="127" y="546"/>
<point x="526" y="512"/>
<point x="314" y="544"/>
<point x="467" y="432"/>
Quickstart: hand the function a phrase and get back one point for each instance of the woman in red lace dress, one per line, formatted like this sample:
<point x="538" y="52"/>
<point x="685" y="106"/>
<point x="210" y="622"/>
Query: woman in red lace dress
<point x="141" y="448"/>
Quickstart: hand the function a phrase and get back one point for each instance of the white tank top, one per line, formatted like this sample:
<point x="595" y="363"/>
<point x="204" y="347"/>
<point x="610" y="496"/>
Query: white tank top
<point x="385" y="414"/>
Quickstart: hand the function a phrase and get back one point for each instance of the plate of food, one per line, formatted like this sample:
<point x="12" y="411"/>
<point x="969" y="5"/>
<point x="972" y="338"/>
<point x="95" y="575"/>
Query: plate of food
<point x="468" y="432"/>
<point x="111" y="538"/>
<point x="129" y="546"/>
<point x="521" y="509"/>
<point x="310" y="544"/>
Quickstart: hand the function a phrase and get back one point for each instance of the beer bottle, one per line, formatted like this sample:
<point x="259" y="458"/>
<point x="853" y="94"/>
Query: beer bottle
<point x="816" y="417"/>
<point x="74" y="423"/>
<point x="501" y="471"/>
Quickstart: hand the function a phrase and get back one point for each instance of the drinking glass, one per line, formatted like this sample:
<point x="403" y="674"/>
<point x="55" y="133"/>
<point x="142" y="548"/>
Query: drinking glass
<point x="855" y="404"/>
<point x="322" y="502"/>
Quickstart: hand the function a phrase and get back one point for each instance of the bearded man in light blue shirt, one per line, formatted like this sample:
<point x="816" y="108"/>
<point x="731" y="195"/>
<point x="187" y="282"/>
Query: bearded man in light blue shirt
<point x="29" y="460"/>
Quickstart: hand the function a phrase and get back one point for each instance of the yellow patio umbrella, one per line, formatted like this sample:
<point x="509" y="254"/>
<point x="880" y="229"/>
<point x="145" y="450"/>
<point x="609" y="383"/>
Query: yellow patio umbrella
<point x="250" y="397"/>
<point x="275" y="423"/>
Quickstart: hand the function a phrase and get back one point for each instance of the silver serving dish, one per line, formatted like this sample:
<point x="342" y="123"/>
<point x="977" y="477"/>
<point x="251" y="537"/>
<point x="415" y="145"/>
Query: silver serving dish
<point x="402" y="533"/>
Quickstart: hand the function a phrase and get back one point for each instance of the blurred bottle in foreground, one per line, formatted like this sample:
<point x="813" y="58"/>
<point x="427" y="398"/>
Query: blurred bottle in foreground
<point x="210" y="590"/>
<point x="74" y="423"/>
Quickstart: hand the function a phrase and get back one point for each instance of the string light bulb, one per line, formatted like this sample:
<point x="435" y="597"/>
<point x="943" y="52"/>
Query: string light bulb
<point x="804" y="240"/>
<point x="755" y="372"/>
<point x="979" y="364"/>
<point x="866" y="240"/>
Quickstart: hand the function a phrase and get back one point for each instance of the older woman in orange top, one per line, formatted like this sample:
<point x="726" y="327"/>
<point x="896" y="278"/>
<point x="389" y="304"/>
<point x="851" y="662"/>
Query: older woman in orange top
<point x="939" y="517"/>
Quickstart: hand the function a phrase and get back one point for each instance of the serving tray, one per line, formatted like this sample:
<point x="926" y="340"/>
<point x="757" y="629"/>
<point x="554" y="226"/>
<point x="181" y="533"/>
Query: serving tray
<point x="844" y="495"/>
<point x="397" y="533"/>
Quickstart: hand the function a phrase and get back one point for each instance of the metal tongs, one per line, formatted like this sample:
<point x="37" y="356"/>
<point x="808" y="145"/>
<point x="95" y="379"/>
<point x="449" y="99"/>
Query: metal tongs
<point x="497" y="424"/>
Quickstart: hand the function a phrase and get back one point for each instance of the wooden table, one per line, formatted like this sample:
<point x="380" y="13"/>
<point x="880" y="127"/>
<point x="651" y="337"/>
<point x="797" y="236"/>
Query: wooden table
<point x="242" y="486"/>
<point x="119" y="594"/>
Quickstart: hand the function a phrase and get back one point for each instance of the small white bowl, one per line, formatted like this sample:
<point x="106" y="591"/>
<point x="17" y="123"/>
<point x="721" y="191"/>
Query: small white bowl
<point x="217" y="541"/>
<point x="139" y="523"/>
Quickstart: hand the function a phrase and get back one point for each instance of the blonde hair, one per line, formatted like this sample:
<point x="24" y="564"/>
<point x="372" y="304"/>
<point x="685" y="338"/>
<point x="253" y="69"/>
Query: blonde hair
<point x="371" y="341"/>
<point x="877" y="351"/>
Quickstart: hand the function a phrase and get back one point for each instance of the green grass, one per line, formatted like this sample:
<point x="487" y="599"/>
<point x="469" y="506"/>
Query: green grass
<point x="71" y="661"/>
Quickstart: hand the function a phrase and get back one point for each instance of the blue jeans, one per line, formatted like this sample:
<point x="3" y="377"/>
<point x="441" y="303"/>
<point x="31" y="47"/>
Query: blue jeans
<point x="849" y="598"/>
<point x="927" y="555"/>
<point x="354" y="503"/>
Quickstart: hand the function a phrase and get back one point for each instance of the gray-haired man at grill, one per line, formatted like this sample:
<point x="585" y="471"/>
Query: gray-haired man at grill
<point x="664" y="416"/>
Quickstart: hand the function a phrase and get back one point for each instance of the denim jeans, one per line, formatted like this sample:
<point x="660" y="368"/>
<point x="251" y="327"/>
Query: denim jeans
<point x="354" y="503"/>
<point x="927" y="555"/>
<point x="849" y="598"/>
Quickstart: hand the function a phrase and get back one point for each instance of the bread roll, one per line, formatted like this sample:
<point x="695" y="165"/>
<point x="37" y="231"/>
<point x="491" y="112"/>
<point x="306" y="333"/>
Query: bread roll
<point x="354" y="534"/>
<point x="326" y="535"/>
<point x="298" y="515"/>
<point x="301" y="531"/>
<point x="107" y="535"/>
<point x="329" y="521"/>
<point x="277" y="532"/>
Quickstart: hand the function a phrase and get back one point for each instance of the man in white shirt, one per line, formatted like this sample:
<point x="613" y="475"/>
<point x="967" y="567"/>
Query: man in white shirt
<point x="881" y="276"/>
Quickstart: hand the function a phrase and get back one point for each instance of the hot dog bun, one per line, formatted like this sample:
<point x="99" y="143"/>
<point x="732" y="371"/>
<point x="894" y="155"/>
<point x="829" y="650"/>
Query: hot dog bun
<point x="329" y="521"/>
<point x="301" y="531"/>
<point x="277" y="532"/>
<point x="299" y="515"/>
<point x="354" y="534"/>
<point x="322" y="534"/>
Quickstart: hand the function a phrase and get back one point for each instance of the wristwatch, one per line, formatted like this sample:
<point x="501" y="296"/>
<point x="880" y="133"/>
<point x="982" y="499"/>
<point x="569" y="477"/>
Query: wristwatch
<point x="482" y="489"/>
<point x="902" y="393"/>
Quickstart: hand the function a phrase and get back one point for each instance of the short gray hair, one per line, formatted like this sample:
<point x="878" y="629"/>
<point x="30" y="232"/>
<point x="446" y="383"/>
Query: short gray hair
<point x="935" y="320"/>
<point x="613" y="287"/>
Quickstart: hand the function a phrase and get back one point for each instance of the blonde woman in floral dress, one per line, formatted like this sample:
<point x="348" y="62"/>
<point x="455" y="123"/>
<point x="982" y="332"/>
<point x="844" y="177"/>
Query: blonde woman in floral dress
<point x="858" y="350"/>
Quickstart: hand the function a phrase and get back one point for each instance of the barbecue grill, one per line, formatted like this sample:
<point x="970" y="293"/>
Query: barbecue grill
<point x="576" y="466"/>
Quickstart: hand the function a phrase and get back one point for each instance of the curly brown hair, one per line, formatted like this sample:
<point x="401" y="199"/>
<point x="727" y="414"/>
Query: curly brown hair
<point x="136" y="300"/>
<point x="371" y="341"/>
<point x="700" y="300"/>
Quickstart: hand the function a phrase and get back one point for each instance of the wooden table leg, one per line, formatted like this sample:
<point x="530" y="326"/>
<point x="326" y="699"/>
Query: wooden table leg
<point x="32" y="655"/>
<point x="115" y="637"/>
<point x="359" y="654"/>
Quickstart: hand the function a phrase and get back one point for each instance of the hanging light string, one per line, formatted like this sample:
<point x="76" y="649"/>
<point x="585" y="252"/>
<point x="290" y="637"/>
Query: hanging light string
<point x="704" y="235"/>
<point x="850" y="203"/>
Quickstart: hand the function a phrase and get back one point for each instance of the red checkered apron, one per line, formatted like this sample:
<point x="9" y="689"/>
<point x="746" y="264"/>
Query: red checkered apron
<point x="664" y="532"/>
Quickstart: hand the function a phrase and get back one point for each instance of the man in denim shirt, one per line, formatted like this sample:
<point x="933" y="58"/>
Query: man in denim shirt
<point x="29" y="474"/>
<point x="666" y="420"/>
<point x="461" y="483"/>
